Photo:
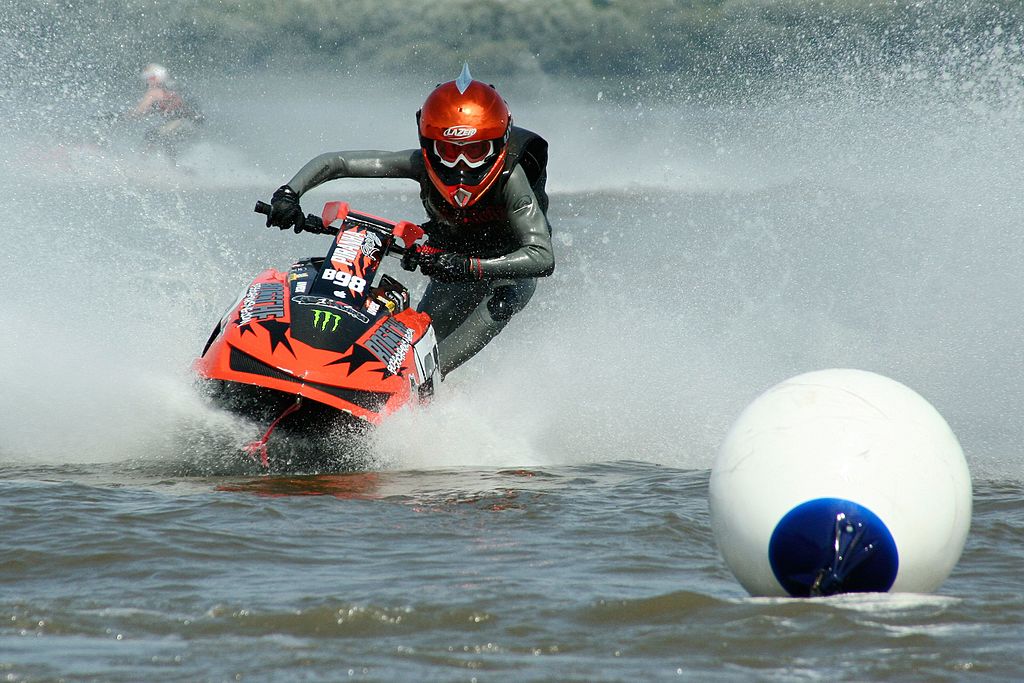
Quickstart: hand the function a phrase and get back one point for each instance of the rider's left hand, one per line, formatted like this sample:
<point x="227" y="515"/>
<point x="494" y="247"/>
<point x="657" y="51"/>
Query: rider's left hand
<point x="448" y="267"/>
<point x="285" y="211"/>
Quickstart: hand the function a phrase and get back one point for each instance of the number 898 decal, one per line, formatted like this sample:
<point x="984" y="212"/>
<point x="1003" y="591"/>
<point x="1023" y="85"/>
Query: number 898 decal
<point x="343" y="279"/>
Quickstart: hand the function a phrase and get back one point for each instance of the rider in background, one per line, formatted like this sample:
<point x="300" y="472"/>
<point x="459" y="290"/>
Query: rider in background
<point x="482" y="184"/>
<point x="177" y="118"/>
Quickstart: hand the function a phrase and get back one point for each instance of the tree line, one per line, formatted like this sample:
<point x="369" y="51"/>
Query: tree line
<point x="697" y="39"/>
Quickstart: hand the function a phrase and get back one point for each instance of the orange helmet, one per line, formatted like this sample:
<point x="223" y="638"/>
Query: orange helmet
<point x="464" y="127"/>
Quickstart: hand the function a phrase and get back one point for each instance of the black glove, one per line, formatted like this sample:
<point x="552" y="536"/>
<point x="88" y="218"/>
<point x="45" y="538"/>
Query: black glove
<point x="285" y="211"/>
<point x="410" y="260"/>
<point x="448" y="267"/>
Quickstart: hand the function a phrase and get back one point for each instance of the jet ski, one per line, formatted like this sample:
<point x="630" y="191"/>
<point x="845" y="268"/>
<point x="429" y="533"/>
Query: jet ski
<point x="325" y="347"/>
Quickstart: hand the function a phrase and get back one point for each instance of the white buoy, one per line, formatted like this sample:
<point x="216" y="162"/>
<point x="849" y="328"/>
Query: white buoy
<point x="840" y="481"/>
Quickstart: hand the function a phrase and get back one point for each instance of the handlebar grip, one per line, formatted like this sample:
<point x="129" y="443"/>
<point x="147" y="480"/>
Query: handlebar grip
<point x="315" y="225"/>
<point x="312" y="224"/>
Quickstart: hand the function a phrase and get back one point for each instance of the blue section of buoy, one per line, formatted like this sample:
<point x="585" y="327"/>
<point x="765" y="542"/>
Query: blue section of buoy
<point x="830" y="545"/>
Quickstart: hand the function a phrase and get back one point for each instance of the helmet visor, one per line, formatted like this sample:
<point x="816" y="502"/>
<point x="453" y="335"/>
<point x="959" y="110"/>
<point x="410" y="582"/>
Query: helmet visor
<point x="473" y="154"/>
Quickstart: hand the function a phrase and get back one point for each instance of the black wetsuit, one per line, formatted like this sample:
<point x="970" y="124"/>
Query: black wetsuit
<point x="506" y="229"/>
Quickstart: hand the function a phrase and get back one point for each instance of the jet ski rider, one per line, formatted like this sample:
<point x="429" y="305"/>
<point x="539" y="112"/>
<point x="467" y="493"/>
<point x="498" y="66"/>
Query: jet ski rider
<point x="482" y="185"/>
<point x="177" y="118"/>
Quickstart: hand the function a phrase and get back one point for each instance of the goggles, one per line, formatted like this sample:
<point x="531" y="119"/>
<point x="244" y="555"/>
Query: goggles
<point x="472" y="154"/>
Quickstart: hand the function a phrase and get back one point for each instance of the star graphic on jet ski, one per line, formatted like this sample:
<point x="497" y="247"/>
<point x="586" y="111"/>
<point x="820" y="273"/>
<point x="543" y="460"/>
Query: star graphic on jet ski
<point x="277" y="330"/>
<point x="356" y="358"/>
<point x="386" y="371"/>
<point x="245" y="327"/>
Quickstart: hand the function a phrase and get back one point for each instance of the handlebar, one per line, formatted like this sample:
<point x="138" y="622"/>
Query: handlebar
<point x="313" y="224"/>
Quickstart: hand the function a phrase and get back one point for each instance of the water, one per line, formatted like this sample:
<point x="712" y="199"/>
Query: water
<point x="586" y="572"/>
<point x="546" y="518"/>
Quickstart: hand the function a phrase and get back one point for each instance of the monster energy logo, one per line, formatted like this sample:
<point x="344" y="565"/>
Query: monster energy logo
<point x="324" y="302"/>
<point x="325" y="319"/>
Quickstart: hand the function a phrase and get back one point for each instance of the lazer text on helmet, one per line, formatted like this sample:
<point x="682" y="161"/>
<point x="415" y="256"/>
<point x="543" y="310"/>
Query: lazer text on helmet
<point x="459" y="132"/>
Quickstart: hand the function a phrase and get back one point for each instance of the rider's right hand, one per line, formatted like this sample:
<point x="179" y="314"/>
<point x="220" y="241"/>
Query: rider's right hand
<point x="285" y="211"/>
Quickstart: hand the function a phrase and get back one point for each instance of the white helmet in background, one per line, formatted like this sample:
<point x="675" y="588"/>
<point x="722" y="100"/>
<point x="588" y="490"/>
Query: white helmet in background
<point x="154" y="74"/>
